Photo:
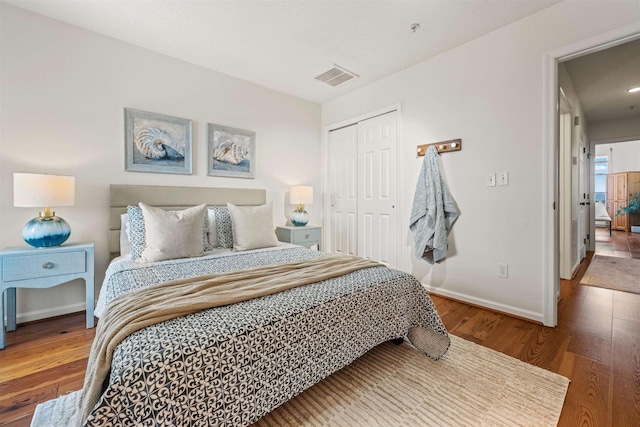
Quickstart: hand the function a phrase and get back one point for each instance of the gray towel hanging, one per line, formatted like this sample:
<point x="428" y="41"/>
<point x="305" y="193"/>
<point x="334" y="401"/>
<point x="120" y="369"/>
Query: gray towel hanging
<point x="433" y="213"/>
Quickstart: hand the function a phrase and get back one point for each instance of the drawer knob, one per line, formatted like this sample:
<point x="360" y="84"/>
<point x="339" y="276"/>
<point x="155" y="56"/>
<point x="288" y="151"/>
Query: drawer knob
<point x="306" y="236"/>
<point x="48" y="265"/>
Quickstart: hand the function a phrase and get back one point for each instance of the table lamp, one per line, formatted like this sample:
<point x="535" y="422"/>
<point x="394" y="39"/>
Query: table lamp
<point x="44" y="191"/>
<point x="300" y="195"/>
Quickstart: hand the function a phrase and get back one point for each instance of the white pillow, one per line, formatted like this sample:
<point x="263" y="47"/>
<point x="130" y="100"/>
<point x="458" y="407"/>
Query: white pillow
<point x="125" y="246"/>
<point x="252" y="227"/>
<point x="172" y="235"/>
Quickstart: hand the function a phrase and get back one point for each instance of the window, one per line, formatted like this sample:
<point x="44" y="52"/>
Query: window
<point x="602" y="168"/>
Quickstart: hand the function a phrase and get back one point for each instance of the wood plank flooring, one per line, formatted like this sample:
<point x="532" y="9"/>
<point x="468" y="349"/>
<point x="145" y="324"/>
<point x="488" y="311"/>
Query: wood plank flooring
<point x="596" y="345"/>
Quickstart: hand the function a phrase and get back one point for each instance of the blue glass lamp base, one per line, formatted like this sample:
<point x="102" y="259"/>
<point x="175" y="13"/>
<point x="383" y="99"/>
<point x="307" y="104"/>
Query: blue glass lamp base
<point x="299" y="218"/>
<point x="44" y="232"/>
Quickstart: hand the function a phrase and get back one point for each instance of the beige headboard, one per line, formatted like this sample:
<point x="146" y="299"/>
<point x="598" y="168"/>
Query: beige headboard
<point x="120" y="196"/>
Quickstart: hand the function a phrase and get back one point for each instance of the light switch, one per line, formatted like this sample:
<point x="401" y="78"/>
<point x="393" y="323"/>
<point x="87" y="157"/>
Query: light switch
<point x="503" y="178"/>
<point x="491" y="180"/>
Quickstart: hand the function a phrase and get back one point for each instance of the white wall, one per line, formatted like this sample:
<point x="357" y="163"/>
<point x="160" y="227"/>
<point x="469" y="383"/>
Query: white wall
<point x="564" y="81"/>
<point x="615" y="130"/>
<point x="63" y="91"/>
<point x="623" y="156"/>
<point x="489" y="92"/>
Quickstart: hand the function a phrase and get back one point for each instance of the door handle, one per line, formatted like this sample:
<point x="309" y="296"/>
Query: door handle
<point x="582" y="203"/>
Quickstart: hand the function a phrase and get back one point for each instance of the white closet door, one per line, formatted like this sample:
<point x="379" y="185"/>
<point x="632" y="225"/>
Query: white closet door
<point x="343" y="145"/>
<point x="377" y="189"/>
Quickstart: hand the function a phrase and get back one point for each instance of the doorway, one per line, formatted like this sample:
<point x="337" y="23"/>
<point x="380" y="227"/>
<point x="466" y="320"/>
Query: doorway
<point x="551" y="238"/>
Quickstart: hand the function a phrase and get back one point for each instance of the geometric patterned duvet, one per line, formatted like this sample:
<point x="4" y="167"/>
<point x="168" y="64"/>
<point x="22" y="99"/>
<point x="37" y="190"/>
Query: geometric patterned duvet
<point x="230" y="365"/>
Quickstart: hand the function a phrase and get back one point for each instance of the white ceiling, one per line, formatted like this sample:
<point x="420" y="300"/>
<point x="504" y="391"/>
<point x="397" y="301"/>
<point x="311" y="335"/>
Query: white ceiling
<point x="282" y="45"/>
<point x="601" y="81"/>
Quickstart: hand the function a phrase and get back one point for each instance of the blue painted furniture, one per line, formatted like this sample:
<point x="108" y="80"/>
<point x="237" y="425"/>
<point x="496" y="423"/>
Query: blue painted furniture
<point x="28" y="267"/>
<point x="304" y="236"/>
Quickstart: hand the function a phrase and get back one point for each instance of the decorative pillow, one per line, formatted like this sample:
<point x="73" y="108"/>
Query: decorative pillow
<point x="224" y="232"/>
<point x="136" y="232"/>
<point x="206" y="246"/>
<point x="211" y="225"/>
<point x="252" y="227"/>
<point x="170" y="235"/>
<point x="125" y="247"/>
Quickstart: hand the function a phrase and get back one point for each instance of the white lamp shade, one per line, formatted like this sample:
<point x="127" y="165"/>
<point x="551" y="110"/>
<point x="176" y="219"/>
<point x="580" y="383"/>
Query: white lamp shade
<point x="39" y="191"/>
<point x="301" y="194"/>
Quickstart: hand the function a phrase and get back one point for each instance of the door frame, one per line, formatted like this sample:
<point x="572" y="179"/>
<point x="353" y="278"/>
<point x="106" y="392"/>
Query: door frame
<point x="326" y="234"/>
<point x="550" y="235"/>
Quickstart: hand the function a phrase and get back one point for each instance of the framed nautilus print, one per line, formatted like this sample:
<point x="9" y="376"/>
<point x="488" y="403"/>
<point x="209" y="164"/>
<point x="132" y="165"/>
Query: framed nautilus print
<point x="231" y="152"/>
<point x="157" y="143"/>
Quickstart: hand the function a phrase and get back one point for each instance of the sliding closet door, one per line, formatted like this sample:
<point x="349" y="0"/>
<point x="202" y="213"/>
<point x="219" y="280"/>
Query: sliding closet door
<point x="377" y="189"/>
<point x="343" y="180"/>
<point x="363" y="189"/>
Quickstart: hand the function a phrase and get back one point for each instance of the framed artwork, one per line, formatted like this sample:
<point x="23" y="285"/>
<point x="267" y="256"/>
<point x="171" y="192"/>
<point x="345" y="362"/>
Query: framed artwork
<point x="231" y="152"/>
<point x="157" y="143"/>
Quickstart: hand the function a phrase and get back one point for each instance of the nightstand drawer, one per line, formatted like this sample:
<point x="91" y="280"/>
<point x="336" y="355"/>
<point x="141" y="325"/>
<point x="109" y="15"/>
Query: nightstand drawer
<point x="303" y="235"/>
<point x="35" y="266"/>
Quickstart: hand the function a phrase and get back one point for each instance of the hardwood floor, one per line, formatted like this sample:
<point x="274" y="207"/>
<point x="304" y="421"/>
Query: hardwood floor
<point x="620" y="244"/>
<point x="596" y="345"/>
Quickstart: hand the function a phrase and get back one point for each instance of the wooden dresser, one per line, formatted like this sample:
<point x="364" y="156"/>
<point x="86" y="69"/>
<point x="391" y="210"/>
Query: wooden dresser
<point x="621" y="187"/>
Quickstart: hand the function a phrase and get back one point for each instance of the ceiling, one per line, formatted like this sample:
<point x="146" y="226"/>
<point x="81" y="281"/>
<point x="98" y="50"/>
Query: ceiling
<point x="601" y="80"/>
<point x="282" y="45"/>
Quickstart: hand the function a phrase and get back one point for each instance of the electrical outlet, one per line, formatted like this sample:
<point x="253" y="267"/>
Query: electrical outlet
<point x="503" y="270"/>
<point x="491" y="180"/>
<point x="503" y="178"/>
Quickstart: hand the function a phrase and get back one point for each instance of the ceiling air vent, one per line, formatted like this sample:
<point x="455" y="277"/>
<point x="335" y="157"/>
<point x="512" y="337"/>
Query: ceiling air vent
<point x="335" y="76"/>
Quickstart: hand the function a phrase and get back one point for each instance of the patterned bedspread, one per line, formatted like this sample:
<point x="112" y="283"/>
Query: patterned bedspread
<point x="230" y="365"/>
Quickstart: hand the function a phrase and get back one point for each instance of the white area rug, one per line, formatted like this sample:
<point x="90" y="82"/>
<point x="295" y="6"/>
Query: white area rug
<point x="399" y="386"/>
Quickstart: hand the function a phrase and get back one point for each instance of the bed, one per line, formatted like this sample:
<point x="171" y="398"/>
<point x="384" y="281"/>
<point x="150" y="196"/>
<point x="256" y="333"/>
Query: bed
<point x="602" y="217"/>
<point x="229" y="365"/>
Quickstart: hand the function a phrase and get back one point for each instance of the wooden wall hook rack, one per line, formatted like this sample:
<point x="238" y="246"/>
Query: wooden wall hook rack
<point x="442" y="147"/>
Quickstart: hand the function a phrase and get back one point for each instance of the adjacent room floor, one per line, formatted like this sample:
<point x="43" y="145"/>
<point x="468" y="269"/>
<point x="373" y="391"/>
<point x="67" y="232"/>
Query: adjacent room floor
<point x="620" y="244"/>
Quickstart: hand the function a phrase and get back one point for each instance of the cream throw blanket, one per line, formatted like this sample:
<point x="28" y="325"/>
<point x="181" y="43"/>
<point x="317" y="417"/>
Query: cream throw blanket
<point x="133" y="311"/>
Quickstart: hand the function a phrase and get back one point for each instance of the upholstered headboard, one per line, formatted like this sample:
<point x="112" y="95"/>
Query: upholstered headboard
<point x="120" y="196"/>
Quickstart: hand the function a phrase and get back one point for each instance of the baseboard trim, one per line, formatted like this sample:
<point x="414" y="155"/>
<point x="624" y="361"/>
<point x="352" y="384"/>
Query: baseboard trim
<point x="30" y="316"/>
<point x="487" y="304"/>
<point x="483" y="303"/>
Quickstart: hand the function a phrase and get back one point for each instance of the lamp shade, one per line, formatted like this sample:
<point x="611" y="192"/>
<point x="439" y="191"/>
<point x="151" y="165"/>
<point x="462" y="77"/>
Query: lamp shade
<point x="44" y="191"/>
<point x="301" y="195"/>
<point x="38" y="191"/>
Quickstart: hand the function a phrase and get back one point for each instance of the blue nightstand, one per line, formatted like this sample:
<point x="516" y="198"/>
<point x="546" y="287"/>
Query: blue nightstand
<point x="27" y="267"/>
<point x="306" y="236"/>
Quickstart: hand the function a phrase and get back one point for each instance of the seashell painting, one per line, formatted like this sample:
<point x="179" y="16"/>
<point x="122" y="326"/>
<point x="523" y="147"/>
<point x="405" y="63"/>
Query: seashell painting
<point x="230" y="152"/>
<point x="155" y="143"/>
